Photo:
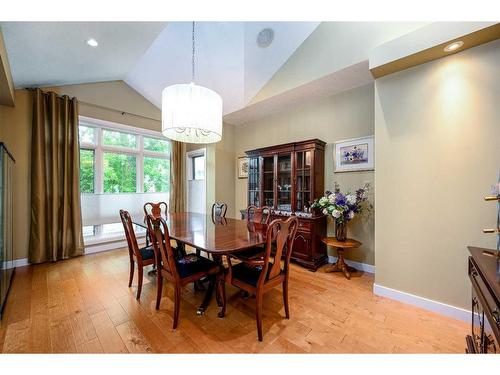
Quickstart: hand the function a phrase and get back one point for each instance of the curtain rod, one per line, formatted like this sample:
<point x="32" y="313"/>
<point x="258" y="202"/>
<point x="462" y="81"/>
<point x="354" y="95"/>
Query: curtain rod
<point x="123" y="113"/>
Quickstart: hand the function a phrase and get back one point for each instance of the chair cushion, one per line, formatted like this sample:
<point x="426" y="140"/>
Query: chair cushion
<point x="248" y="274"/>
<point x="190" y="264"/>
<point x="147" y="253"/>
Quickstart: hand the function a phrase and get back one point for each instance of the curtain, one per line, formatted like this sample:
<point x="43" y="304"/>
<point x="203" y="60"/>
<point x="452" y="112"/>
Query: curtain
<point x="177" y="177"/>
<point x="56" y="220"/>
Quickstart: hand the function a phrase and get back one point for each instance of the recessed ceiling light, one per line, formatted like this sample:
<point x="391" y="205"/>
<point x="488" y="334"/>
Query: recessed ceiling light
<point x="453" y="46"/>
<point x="92" y="42"/>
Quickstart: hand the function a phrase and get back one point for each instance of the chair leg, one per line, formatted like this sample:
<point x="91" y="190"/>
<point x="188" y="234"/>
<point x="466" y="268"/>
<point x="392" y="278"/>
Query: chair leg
<point x="132" y="266"/>
<point x="159" y="287"/>
<point x="139" y="286"/>
<point x="177" y="305"/>
<point x="258" y="314"/>
<point x="285" y="298"/>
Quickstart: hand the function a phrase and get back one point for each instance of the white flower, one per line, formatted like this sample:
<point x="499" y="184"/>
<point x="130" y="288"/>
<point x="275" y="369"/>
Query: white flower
<point x="351" y="199"/>
<point x="325" y="211"/>
<point x="350" y="215"/>
<point x="331" y="198"/>
<point x="323" y="201"/>
<point x="336" y="214"/>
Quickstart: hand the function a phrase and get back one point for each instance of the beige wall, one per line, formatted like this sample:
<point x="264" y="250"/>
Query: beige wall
<point x="220" y="173"/>
<point x="343" y="116"/>
<point x="107" y="101"/>
<point x="437" y="129"/>
<point x="15" y="131"/>
<point x="6" y="83"/>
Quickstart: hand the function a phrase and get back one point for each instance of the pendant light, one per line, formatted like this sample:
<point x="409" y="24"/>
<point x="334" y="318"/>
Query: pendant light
<point x="191" y="113"/>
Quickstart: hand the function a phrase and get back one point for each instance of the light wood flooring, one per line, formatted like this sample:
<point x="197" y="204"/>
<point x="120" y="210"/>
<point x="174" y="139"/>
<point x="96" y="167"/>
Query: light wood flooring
<point x="83" y="305"/>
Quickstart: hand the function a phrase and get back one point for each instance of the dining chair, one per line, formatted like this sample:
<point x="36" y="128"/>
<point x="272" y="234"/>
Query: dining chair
<point x="219" y="210"/>
<point x="259" y="275"/>
<point x="154" y="209"/>
<point x="143" y="256"/>
<point x="261" y="215"/>
<point x="180" y="270"/>
<point x="256" y="217"/>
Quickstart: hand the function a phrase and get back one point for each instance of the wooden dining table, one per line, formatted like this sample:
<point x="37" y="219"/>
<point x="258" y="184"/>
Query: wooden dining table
<point x="218" y="237"/>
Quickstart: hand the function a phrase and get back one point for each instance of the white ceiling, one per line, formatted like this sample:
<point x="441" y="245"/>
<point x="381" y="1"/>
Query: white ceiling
<point x="56" y="53"/>
<point x="152" y="55"/>
<point x="228" y="59"/>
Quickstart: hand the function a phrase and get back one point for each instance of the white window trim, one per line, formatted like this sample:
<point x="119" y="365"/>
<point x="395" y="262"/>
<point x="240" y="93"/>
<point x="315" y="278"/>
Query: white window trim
<point x="99" y="149"/>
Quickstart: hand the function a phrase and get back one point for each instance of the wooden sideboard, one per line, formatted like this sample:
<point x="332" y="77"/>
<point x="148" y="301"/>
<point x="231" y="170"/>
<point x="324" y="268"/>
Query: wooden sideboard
<point x="288" y="178"/>
<point x="484" y="273"/>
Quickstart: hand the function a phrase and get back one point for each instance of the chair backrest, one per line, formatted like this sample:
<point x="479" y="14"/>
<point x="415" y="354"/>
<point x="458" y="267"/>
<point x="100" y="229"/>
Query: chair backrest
<point x="281" y="233"/>
<point x="128" y="227"/>
<point x="154" y="209"/>
<point x="219" y="210"/>
<point x="260" y="215"/>
<point x="165" y="258"/>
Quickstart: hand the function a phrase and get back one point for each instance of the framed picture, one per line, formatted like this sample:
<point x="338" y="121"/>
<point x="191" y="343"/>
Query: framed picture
<point x="243" y="167"/>
<point x="354" y="155"/>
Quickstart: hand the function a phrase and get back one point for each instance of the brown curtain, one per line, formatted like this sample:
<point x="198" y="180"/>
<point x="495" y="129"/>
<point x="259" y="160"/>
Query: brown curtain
<point x="177" y="177"/>
<point x="56" y="220"/>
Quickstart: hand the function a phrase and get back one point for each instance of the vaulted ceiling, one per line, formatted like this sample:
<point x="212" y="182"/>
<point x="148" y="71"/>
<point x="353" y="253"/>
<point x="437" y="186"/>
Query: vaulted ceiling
<point x="152" y="55"/>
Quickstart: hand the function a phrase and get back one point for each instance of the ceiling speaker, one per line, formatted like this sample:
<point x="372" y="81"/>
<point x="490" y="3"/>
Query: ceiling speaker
<point x="265" y="37"/>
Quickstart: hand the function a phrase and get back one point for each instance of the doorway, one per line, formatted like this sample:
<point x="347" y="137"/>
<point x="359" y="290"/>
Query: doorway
<point x="196" y="181"/>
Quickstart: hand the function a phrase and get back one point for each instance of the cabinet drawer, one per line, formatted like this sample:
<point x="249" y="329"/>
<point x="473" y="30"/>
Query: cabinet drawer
<point x="304" y="226"/>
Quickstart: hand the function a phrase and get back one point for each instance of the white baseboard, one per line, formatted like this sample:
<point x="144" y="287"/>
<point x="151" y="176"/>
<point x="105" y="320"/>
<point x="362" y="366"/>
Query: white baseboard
<point x="359" y="266"/>
<point x="97" y="248"/>
<point x="424" y="303"/>
<point x="21" y="262"/>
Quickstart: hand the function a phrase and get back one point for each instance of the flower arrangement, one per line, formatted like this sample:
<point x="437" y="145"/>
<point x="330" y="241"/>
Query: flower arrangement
<point x="344" y="206"/>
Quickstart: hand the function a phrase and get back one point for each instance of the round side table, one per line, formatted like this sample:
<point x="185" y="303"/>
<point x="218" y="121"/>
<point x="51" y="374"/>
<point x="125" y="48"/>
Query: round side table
<point x="340" y="266"/>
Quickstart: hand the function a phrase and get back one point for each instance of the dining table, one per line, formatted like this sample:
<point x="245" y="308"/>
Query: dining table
<point x="218" y="237"/>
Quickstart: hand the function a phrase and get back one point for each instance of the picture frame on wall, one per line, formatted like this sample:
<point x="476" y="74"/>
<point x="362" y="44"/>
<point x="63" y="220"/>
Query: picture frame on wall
<point x="243" y="167"/>
<point x="355" y="154"/>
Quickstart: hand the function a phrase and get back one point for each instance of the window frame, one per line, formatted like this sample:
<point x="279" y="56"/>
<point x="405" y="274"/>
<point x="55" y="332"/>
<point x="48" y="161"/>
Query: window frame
<point x="193" y="159"/>
<point x="99" y="150"/>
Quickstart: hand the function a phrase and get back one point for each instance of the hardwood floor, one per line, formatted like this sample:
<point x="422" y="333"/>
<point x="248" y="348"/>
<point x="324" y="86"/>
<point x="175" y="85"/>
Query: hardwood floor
<point x="83" y="305"/>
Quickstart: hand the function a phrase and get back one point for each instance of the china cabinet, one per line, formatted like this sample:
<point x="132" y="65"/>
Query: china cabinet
<point x="288" y="178"/>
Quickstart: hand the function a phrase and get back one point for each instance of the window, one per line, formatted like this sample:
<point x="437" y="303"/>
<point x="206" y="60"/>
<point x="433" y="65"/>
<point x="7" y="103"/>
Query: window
<point x="117" y="159"/>
<point x="115" y="138"/>
<point x="156" y="174"/>
<point x="86" y="171"/>
<point x="120" y="173"/>
<point x="198" y="167"/>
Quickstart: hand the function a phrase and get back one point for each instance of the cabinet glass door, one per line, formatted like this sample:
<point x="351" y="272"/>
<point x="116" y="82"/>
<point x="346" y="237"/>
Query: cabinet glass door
<point x="303" y="180"/>
<point x="268" y="174"/>
<point x="254" y="181"/>
<point x="285" y="182"/>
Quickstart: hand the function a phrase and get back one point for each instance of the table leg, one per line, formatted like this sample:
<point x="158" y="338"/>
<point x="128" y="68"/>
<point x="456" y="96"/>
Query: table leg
<point x="181" y="248"/>
<point x="210" y="290"/>
<point x="340" y="266"/>
<point x="208" y="296"/>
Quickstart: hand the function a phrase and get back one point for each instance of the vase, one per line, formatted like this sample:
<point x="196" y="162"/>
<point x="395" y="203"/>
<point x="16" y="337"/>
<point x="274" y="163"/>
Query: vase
<point x="340" y="231"/>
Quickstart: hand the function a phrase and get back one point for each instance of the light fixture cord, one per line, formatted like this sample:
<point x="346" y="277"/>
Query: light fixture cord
<point x="192" y="56"/>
